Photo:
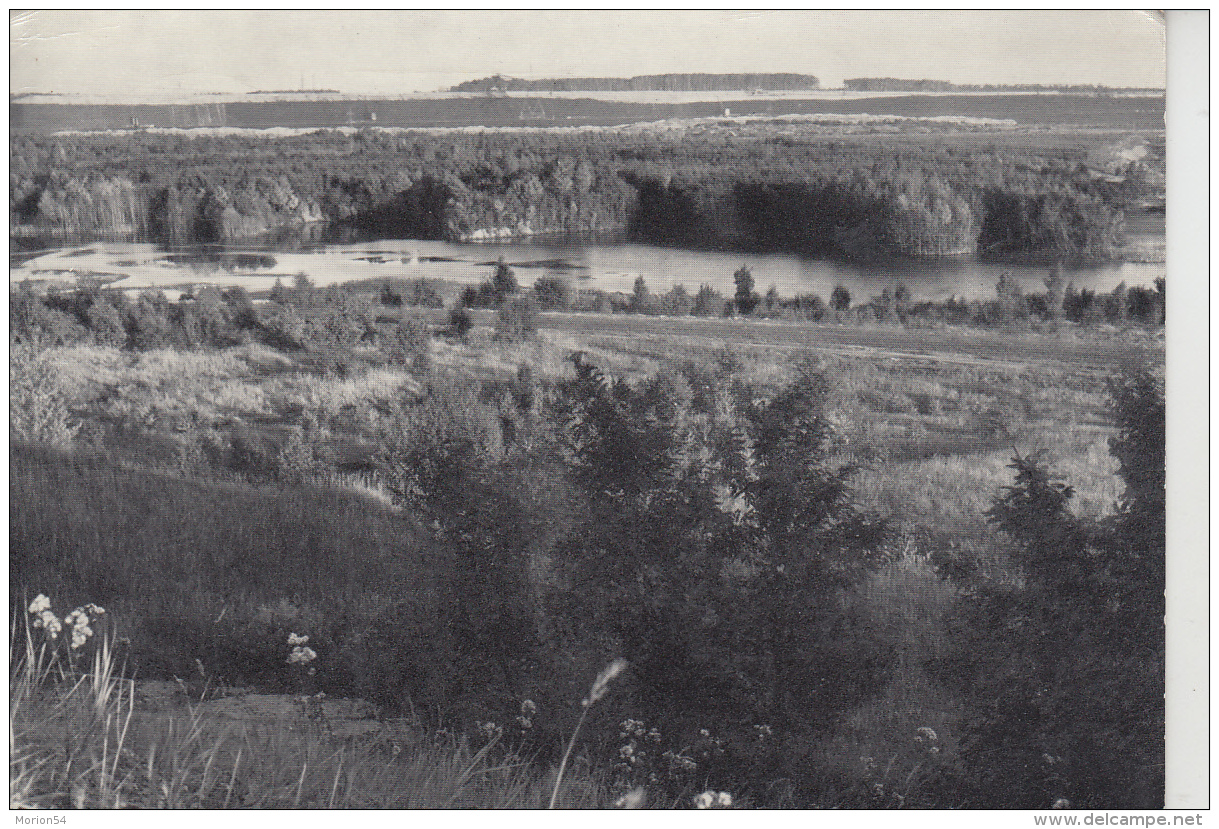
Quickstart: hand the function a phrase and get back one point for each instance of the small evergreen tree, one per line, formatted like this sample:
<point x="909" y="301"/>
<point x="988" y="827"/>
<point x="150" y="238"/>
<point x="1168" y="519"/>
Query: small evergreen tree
<point x="746" y="299"/>
<point x="504" y="281"/>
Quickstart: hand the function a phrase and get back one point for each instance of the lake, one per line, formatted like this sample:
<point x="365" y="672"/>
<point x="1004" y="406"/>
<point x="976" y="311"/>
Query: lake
<point x="602" y="266"/>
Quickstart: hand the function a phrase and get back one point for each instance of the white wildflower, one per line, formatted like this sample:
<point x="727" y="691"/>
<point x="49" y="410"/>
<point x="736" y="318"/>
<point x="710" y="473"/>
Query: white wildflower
<point x="295" y="639"/>
<point x="40" y="604"/>
<point x="705" y="800"/>
<point x="724" y="800"/>
<point x="634" y="799"/>
<point x="528" y="708"/>
<point x="301" y="655"/>
<point x="925" y="733"/>
<point x="49" y="622"/>
<point x="1061" y="803"/>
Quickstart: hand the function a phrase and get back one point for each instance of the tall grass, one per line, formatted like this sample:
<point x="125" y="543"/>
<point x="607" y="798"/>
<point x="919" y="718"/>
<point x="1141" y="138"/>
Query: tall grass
<point x="79" y="739"/>
<point x="219" y="572"/>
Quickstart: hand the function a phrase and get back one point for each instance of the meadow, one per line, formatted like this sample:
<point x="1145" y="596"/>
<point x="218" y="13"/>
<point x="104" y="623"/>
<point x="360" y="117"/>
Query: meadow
<point x="468" y="525"/>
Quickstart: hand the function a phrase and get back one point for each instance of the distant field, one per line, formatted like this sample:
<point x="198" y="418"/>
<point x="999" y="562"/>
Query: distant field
<point x="1128" y="113"/>
<point x="954" y="344"/>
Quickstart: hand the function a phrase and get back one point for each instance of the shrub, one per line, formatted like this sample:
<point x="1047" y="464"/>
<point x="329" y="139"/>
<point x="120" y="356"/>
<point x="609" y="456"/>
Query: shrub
<point x="409" y="343"/>
<point x="421" y="293"/>
<point x="38" y="410"/>
<point x="553" y="292"/>
<point x="504" y="281"/>
<point x="517" y="319"/>
<point x="460" y="322"/>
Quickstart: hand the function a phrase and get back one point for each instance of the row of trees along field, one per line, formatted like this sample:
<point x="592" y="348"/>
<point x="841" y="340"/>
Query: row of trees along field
<point x="832" y="197"/>
<point x="1061" y="300"/>
<point x="301" y="316"/>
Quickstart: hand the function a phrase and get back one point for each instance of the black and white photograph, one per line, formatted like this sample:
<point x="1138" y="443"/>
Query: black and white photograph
<point x="552" y="410"/>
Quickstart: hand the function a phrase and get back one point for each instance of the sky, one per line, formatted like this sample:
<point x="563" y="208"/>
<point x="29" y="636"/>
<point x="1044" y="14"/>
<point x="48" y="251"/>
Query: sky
<point x="136" y="53"/>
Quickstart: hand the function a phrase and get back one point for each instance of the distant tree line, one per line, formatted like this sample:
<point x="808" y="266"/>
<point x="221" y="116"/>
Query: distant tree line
<point x="928" y="85"/>
<point x="672" y="82"/>
<point x="820" y="196"/>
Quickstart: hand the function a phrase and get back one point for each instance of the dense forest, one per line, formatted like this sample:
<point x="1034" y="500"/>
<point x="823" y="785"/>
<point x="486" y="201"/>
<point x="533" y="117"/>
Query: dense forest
<point x="855" y="197"/>
<point x="672" y="82"/>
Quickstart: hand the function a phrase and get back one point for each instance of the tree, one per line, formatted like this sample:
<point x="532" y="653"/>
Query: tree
<point x="1063" y="672"/>
<point x="677" y="302"/>
<point x="686" y="482"/>
<point x="641" y="298"/>
<point x="707" y="302"/>
<point x="902" y="301"/>
<point x="303" y="287"/>
<point x="840" y="298"/>
<point x="746" y="299"/>
<point x="1009" y="299"/>
<point x="504" y="281"/>
<point x="772" y="300"/>
<point x="1055" y="293"/>
<point x="884" y="306"/>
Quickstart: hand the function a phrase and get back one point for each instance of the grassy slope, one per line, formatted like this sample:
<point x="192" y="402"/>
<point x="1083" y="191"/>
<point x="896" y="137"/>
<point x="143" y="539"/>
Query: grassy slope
<point x="219" y="572"/>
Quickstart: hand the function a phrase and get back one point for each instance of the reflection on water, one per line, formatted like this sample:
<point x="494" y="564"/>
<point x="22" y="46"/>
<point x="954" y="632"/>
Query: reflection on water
<point x="327" y="257"/>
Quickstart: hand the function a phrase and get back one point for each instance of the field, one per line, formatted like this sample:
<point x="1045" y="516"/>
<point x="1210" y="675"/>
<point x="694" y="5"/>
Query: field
<point x="217" y="500"/>
<point x="1113" y="112"/>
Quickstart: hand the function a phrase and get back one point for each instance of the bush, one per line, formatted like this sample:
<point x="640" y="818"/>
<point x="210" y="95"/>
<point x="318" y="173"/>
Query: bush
<point x="409" y="343"/>
<point x="460" y="322"/>
<point x="38" y="411"/>
<point x="517" y="319"/>
<point x="553" y="292"/>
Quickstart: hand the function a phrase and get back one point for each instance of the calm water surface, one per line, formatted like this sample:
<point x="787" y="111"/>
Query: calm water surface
<point x="606" y="267"/>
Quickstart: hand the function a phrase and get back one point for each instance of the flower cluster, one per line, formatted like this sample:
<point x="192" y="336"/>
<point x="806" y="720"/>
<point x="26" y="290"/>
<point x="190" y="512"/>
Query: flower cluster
<point x="525" y="718"/>
<point x="679" y="761"/>
<point x="713" y="800"/>
<point x="490" y="730"/>
<point x="79" y="620"/>
<point x="928" y="738"/>
<point x="635" y="732"/>
<point x="301" y="654"/>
